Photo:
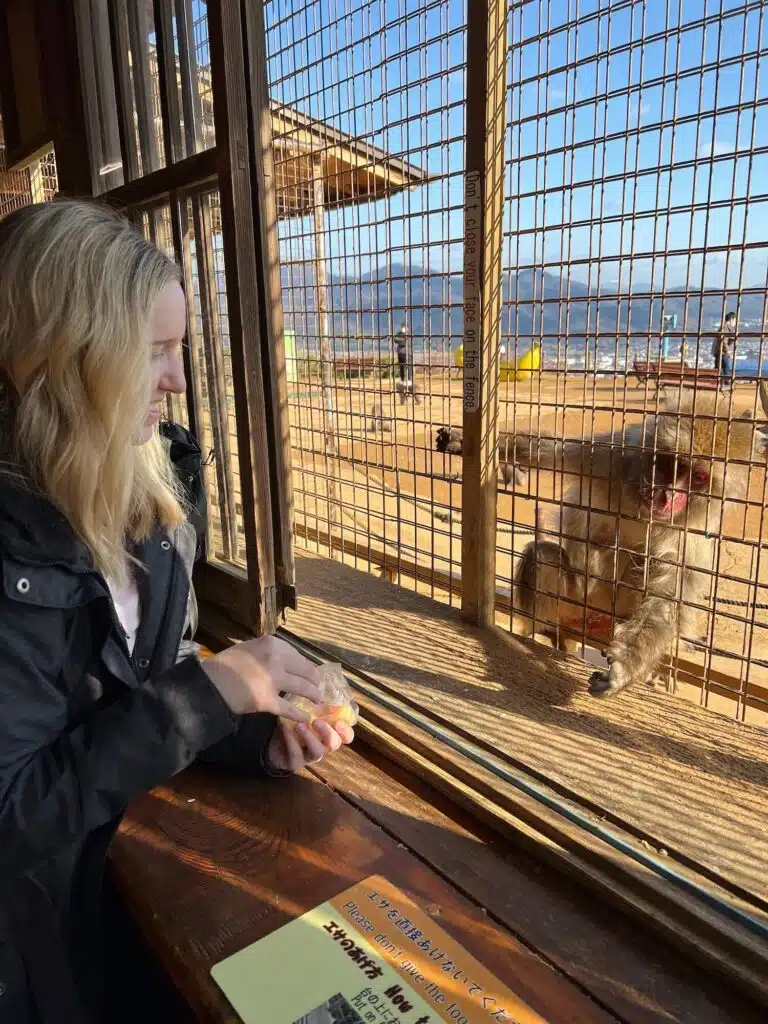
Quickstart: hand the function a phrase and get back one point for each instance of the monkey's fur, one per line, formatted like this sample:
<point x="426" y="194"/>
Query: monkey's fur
<point x="655" y="500"/>
<point x="450" y="441"/>
<point x="628" y="568"/>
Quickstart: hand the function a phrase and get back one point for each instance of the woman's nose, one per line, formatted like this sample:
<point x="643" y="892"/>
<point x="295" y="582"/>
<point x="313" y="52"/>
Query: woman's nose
<point x="174" y="379"/>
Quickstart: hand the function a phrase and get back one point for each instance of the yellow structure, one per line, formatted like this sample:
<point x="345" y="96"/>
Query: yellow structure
<point x="522" y="369"/>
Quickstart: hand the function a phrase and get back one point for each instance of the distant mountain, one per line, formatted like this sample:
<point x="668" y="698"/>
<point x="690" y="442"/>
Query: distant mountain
<point x="535" y="303"/>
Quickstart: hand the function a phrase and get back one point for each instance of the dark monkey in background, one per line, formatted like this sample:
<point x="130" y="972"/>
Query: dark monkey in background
<point x="625" y="560"/>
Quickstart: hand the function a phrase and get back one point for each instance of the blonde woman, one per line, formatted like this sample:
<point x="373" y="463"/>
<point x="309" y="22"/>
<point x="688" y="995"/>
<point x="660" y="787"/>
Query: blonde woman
<point x="95" y="555"/>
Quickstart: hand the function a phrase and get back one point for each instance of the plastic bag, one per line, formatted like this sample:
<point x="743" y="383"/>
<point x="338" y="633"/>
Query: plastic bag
<point x="337" y="705"/>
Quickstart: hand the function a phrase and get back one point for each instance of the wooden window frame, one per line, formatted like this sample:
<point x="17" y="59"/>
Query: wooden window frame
<point x="238" y="166"/>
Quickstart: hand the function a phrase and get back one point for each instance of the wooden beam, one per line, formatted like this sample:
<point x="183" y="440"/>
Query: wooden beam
<point x="271" y="301"/>
<point x="208" y="276"/>
<point x="194" y="348"/>
<point x="323" y="331"/>
<point x="94" y="47"/>
<point x="183" y="250"/>
<point x="228" y="71"/>
<point x="62" y="82"/>
<point x="190" y="96"/>
<point x="169" y="92"/>
<point x="105" y="98"/>
<point x="88" y="49"/>
<point x="118" y="23"/>
<point x="197" y="169"/>
<point x="483" y="236"/>
<point x="10" y="116"/>
<point x="562" y="922"/>
<point x="712" y="937"/>
<point x="138" y="35"/>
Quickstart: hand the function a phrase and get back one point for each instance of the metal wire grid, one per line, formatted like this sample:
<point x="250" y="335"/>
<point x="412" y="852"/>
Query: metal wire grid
<point x="193" y="99"/>
<point x="211" y="387"/>
<point x="201" y="76"/>
<point x="212" y="384"/>
<point x="636" y="221"/>
<point x="367" y="101"/>
<point x="34" y="184"/>
<point x="49" y="179"/>
<point x="192" y="128"/>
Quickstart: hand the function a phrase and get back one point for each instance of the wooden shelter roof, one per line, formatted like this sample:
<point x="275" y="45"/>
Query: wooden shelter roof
<point x="353" y="170"/>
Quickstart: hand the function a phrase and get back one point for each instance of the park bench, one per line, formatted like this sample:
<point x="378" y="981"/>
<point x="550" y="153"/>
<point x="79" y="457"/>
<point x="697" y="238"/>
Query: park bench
<point x="357" y="366"/>
<point x="680" y="374"/>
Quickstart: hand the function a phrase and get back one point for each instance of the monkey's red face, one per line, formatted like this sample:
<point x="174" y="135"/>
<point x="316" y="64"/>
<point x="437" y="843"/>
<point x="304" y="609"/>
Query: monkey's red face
<point x="673" y="484"/>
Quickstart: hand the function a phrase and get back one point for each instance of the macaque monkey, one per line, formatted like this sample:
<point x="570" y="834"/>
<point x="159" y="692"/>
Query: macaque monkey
<point x="625" y="560"/>
<point x="450" y="441"/>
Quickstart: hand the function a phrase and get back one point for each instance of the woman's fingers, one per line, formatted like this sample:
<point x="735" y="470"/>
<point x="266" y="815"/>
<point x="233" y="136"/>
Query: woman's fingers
<point x="329" y="736"/>
<point x="293" y="751"/>
<point x="301" y="687"/>
<point x="345" y="732"/>
<point x="289" y="711"/>
<point x="297" y="665"/>
<point x="313" y="747"/>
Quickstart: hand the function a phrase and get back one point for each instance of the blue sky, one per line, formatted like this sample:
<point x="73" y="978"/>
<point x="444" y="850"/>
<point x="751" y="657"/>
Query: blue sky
<point x="392" y="72"/>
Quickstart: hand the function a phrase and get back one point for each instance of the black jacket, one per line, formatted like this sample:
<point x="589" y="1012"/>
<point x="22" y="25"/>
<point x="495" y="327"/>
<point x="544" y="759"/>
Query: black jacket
<point x="84" y="728"/>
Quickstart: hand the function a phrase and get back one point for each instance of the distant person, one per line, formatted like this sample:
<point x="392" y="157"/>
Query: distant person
<point x="724" y="350"/>
<point x="402" y="345"/>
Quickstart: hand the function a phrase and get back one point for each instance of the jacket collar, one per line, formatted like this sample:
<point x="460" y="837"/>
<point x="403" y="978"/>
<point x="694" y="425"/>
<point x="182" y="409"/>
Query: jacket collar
<point x="34" y="531"/>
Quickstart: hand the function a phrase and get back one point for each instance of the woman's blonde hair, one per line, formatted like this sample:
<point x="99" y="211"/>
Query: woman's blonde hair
<point x="77" y="285"/>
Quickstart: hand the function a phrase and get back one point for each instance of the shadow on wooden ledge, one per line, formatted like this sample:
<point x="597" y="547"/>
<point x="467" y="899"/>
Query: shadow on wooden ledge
<point x="694" y="779"/>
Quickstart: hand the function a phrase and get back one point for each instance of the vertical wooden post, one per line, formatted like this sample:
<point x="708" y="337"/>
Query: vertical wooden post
<point x="188" y="72"/>
<point x="483" y="238"/>
<point x="138" y="38"/>
<point x="168" y="82"/>
<point x="271" y="301"/>
<point x="56" y="32"/>
<point x="98" y="90"/>
<point x="218" y="404"/>
<point x="228" y="70"/>
<point x="118" y="22"/>
<point x="323" y="330"/>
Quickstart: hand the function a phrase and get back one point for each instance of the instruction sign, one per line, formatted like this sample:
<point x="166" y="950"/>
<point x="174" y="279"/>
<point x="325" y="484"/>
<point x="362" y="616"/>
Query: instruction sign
<point x="473" y="239"/>
<point x="368" y="955"/>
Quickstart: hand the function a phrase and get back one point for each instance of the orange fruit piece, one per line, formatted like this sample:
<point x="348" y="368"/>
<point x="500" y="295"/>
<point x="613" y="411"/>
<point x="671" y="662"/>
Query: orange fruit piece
<point x="330" y="713"/>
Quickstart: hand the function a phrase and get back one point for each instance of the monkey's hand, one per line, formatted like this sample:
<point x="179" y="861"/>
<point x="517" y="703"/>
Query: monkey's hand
<point x="605" y="683"/>
<point x="636" y="648"/>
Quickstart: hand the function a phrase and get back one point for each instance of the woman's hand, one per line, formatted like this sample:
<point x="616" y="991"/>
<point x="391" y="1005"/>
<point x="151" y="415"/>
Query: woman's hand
<point x="250" y="677"/>
<point x="293" y="747"/>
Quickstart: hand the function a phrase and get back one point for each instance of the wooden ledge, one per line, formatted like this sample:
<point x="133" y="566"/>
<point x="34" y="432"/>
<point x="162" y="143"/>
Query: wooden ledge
<point x="696" y="781"/>
<point x="212" y="862"/>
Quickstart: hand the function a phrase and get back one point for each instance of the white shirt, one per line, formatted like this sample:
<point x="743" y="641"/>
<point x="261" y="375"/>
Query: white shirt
<point x="126" y="601"/>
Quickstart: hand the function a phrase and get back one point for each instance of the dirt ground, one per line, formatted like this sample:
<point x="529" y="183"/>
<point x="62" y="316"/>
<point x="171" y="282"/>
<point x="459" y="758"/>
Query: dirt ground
<point x="384" y="500"/>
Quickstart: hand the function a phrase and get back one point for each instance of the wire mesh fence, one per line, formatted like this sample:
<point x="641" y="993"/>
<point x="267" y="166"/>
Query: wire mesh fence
<point x="35" y="183"/>
<point x="368" y="122"/>
<point x="211" y="384"/>
<point x="635" y="271"/>
<point x="634" y="225"/>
